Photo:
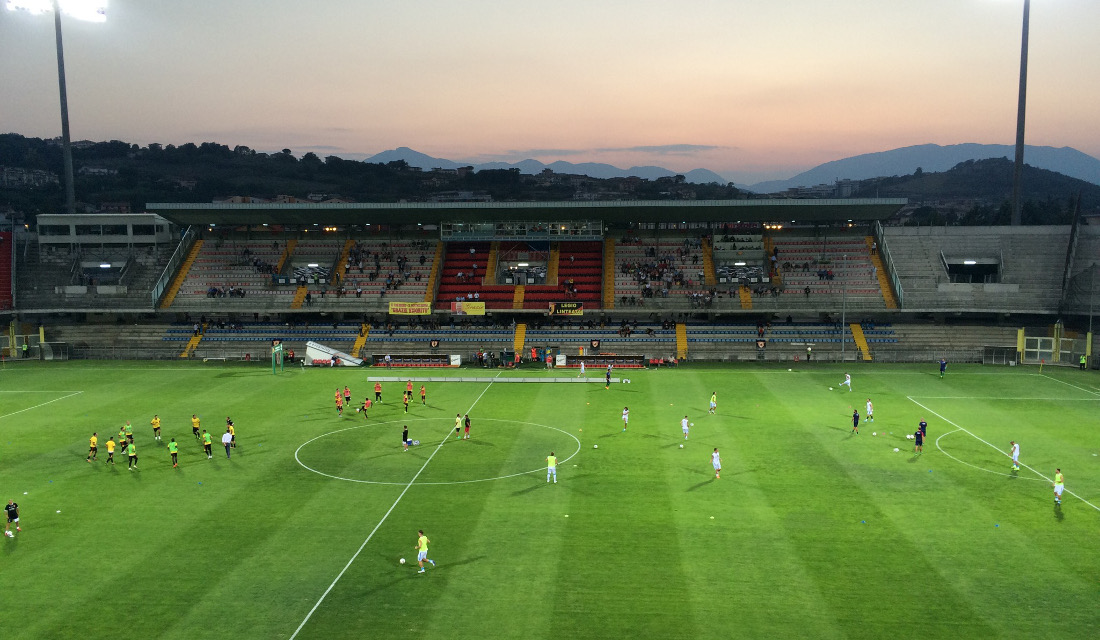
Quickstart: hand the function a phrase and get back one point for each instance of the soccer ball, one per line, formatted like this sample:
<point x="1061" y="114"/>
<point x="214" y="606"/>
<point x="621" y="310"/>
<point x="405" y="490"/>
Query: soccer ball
<point x="681" y="446"/>
<point x="12" y="535"/>
<point x="595" y="446"/>
<point x="896" y="449"/>
<point x="691" y="424"/>
<point x="790" y="369"/>
<point x="874" y="433"/>
<point x="830" y="388"/>
<point x="402" y="561"/>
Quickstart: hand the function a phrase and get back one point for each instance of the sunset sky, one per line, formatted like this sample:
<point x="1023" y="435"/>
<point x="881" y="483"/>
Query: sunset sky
<point x="752" y="90"/>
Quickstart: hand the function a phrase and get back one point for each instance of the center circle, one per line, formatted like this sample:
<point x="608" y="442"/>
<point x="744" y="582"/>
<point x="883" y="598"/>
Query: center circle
<point x="372" y="453"/>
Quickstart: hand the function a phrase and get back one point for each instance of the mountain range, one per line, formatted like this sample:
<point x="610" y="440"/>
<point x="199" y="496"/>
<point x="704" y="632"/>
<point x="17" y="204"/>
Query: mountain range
<point x="896" y="162"/>
<point x="592" y="169"/>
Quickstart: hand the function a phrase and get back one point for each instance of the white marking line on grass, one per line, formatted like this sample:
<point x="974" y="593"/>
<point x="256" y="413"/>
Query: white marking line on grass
<point x="363" y="426"/>
<point x="8" y="415"/>
<point x="974" y="466"/>
<point x="1071" y="385"/>
<point x="960" y="428"/>
<point x="379" y="525"/>
<point x="1004" y="398"/>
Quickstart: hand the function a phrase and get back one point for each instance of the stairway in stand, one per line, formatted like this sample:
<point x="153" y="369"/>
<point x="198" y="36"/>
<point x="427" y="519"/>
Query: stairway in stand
<point x="170" y="295"/>
<point x="193" y="343"/>
<point x="364" y="331"/>
<point x="709" y="273"/>
<point x="521" y="335"/>
<point x="290" y="244"/>
<point x="299" y="297"/>
<point x="883" y="278"/>
<point x="609" y="273"/>
<point x="860" y="340"/>
<point x="745" y="294"/>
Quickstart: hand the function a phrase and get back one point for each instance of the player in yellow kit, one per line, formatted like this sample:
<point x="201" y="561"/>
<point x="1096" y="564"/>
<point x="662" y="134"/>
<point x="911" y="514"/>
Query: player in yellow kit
<point x="422" y="551"/>
<point x="110" y="452"/>
<point x="92" y="448"/>
<point x="195" y="425"/>
<point x="156" y="427"/>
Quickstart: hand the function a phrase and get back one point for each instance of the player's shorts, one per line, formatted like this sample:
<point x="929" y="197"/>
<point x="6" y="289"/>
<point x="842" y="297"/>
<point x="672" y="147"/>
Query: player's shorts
<point x="717" y="466"/>
<point x="1058" y="488"/>
<point x="685" y="429"/>
<point x="920" y="442"/>
<point x="93" y="449"/>
<point x="421" y="556"/>
<point x="1015" y="458"/>
<point x="713" y="405"/>
<point x="15" y="520"/>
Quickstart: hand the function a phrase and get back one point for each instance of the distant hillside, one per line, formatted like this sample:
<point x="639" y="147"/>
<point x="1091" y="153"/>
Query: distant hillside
<point x="933" y="158"/>
<point x="117" y="175"/>
<point x="599" y="170"/>
<point x="990" y="181"/>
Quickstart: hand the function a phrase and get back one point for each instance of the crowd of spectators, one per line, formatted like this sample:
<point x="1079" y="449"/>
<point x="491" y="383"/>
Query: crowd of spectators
<point x="261" y="266"/>
<point x="225" y="292"/>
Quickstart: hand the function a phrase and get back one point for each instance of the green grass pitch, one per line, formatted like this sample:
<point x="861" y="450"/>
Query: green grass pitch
<point x="810" y="532"/>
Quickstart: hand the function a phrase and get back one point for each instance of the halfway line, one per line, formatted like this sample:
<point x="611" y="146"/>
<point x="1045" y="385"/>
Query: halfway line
<point x="379" y="525"/>
<point x="960" y="428"/>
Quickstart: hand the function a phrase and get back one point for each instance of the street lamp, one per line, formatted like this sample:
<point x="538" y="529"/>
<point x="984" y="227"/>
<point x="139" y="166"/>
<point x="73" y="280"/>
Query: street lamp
<point x="1018" y="170"/>
<point x="88" y="10"/>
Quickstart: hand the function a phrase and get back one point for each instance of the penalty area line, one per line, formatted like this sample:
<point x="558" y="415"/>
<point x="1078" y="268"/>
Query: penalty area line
<point x="995" y="448"/>
<point x="379" y="525"/>
<point x="13" y="413"/>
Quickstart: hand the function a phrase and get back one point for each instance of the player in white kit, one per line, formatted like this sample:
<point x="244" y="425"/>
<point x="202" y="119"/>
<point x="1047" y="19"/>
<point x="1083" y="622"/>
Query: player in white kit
<point x="1014" y="451"/>
<point x="847" y="381"/>
<point x="870" y="417"/>
<point x="581" y="374"/>
<point x="626" y="417"/>
<point x="716" y="462"/>
<point x="684" y="426"/>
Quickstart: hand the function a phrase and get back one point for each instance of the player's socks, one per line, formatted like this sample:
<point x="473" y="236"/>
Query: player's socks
<point x="421" y="570"/>
<point x="432" y="561"/>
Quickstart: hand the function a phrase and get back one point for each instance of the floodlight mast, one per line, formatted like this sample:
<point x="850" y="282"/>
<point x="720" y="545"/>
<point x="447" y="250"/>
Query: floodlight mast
<point x="94" y="12"/>
<point x="1018" y="170"/>
<point x="66" y="142"/>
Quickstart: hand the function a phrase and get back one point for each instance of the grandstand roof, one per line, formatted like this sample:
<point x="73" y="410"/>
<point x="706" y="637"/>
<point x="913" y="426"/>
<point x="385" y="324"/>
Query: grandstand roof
<point x="786" y="210"/>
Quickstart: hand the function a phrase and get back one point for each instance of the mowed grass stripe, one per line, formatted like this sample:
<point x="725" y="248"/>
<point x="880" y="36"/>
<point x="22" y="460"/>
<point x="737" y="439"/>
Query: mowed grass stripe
<point x="786" y="555"/>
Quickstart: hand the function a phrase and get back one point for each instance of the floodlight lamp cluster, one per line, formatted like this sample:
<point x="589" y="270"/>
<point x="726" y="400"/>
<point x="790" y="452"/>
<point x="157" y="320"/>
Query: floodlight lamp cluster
<point x="86" y="10"/>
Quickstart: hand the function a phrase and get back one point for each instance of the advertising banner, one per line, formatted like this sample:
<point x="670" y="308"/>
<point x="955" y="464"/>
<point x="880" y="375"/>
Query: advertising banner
<point x="566" y="309"/>
<point x="468" y="308"/>
<point x="411" y="308"/>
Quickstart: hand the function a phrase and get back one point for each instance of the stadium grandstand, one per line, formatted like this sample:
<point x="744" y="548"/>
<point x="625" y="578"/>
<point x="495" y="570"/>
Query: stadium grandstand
<point x="646" y="283"/>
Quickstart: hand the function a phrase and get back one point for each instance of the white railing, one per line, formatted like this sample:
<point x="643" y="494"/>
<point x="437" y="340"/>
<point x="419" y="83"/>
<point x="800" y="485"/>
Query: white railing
<point x="174" y="262"/>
